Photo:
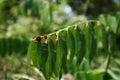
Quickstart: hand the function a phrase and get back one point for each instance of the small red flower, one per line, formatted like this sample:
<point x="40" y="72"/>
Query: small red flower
<point x="45" y="36"/>
<point x="38" y="38"/>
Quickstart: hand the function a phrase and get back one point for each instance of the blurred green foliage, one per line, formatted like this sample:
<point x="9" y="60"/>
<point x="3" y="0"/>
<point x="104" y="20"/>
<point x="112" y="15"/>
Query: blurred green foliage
<point x="93" y="8"/>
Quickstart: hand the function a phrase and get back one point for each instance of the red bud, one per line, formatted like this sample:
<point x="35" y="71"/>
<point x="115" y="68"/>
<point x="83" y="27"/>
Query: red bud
<point x="38" y="38"/>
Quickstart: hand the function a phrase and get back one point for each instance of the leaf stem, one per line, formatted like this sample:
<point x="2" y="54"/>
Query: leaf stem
<point x="106" y="69"/>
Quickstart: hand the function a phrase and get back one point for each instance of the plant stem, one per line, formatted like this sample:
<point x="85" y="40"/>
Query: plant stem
<point x="106" y="69"/>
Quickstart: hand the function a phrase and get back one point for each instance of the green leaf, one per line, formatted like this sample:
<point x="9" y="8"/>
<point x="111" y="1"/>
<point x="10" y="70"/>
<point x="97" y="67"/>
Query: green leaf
<point x="112" y="23"/>
<point x="61" y="54"/>
<point x="37" y="54"/>
<point x="102" y="19"/>
<point x="63" y="44"/>
<point x="113" y="75"/>
<point x="112" y="42"/>
<point x="104" y="38"/>
<point x="33" y="54"/>
<point x="91" y="43"/>
<point x="71" y="43"/>
<point x="75" y="44"/>
<point x="98" y="35"/>
<point x="58" y="61"/>
<point x="50" y="64"/>
<point x="83" y="69"/>
<point x="80" y="44"/>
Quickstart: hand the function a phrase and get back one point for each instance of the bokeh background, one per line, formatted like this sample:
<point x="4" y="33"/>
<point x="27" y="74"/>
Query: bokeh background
<point x="22" y="20"/>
